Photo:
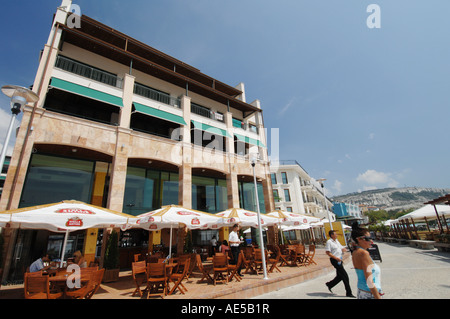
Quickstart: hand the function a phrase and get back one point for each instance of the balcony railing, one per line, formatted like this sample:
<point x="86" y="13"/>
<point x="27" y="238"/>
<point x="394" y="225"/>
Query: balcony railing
<point x="205" y="112"/>
<point x="156" y="95"/>
<point x="86" y="71"/>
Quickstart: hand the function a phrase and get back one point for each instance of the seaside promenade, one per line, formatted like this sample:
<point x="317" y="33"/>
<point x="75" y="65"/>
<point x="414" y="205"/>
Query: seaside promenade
<point x="406" y="273"/>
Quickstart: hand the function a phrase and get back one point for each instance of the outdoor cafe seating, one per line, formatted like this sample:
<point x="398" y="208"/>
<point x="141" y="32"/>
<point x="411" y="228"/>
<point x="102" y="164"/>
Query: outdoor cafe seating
<point x="37" y="286"/>
<point x="52" y="283"/>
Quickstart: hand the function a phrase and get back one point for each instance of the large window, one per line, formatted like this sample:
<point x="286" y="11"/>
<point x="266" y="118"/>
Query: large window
<point x="247" y="198"/>
<point x="148" y="189"/>
<point x="209" y="194"/>
<point x="52" y="179"/>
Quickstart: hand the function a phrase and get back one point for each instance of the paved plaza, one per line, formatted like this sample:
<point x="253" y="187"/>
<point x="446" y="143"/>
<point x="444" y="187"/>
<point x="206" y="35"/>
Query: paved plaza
<point x="406" y="273"/>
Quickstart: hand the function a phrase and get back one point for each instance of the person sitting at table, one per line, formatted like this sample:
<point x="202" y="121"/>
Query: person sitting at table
<point x="38" y="264"/>
<point x="224" y="248"/>
<point x="79" y="259"/>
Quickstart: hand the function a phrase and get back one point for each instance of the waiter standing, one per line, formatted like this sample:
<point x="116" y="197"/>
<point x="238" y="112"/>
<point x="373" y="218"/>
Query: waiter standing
<point x="234" y="242"/>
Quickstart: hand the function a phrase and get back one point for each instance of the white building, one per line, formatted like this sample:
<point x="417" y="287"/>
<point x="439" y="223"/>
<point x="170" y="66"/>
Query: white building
<point x="294" y="190"/>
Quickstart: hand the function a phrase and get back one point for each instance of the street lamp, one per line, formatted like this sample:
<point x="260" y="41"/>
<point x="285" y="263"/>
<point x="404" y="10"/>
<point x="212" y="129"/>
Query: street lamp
<point x="254" y="159"/>
<point x="321" y="180"/>
<point x="20" y="96"/>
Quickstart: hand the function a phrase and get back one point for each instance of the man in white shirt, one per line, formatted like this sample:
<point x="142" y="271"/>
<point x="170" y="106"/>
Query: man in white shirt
<point x="234" y="242"/>
<point x="335" y="251"/>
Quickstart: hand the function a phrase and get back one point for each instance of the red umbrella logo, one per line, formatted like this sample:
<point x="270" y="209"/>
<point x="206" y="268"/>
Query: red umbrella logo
<point x="74" y="222"/>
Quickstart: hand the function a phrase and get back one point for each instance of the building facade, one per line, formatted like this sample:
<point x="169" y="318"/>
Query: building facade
<point x="122" y="125"/>
<point x="347" y="212"/>
<point x="295" y="191"/>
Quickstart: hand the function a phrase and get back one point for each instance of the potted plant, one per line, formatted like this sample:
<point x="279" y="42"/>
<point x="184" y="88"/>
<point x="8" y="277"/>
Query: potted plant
<point x="111" y="261"/>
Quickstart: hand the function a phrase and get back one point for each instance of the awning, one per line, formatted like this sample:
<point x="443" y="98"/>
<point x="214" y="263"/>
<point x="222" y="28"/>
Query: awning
<point x="210" y="129"/>
<point x="86" y="92"/>
<point x="249" y="140"/>
<point x="141" y="108"/>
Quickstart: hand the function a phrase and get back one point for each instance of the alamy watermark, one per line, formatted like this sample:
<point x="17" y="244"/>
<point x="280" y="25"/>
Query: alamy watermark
<point x="374" y="19"/>
<point x="74" y="16"/>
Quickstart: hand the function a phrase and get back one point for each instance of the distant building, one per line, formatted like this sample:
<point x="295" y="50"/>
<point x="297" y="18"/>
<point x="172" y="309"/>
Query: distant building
<point x="347" y="212"/>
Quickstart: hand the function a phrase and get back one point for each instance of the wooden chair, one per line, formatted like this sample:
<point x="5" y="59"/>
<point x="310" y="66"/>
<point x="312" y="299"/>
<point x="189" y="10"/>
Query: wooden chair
<point x="233" y="269"/>
<point x="156" y="279"/>
<point x="274" y="261"/>
<point x="248" y="264"/>
<point x="309" y="258"/>
<point x="38" y="287"/>
<point x="86" y="286"/>
<point x="220" y="268"/>
<point x="258" y="261"/>
<point x="204" y="271"/>
<point x="96" y="281"/>
<point x="284" y="256"/>
<point x="178" y="277"/>
<point x="139" y="273"/>
<point x="300" y="255"/>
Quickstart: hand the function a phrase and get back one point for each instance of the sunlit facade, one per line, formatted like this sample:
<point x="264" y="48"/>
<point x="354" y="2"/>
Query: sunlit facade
<point x="122" y="125"/>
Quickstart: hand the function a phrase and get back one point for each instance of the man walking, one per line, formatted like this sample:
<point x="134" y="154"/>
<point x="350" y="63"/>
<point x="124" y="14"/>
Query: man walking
<point x="335" y="251"/>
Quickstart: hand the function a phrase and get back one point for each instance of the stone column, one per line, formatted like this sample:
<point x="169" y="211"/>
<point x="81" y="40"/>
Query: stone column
<point x="119" y="170"/>
<point x="125" y="112"/>
<point x="185" y="169"/>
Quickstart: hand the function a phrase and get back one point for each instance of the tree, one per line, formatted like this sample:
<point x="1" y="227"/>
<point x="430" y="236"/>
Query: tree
<point x="112" y="251"/>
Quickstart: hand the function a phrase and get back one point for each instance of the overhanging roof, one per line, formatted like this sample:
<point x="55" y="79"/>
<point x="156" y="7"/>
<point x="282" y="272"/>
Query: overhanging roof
<point x="440" y="200"/>
<point x="105" y="41"/>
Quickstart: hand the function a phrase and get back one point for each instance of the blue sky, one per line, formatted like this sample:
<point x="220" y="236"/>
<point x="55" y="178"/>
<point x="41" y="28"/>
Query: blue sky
<point x="364" y="108"/>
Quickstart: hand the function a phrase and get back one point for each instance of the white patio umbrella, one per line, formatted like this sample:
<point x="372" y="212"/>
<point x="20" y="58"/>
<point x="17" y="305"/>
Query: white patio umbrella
<point x="292" y="219"/>
<point x="299" y="227"/>
<point x="64" y="217"/>
<point x="427" y="211"/>
<point x="173" y="215"/>
<point x="246" y="218"/>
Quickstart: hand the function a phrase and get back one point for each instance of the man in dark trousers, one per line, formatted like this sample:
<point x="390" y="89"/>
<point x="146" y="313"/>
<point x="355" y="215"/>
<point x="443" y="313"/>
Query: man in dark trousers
<point x="234" y="242"/>
<point x="335" y="250"/>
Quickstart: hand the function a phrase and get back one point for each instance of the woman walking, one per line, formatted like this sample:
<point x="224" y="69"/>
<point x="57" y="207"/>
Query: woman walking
<point x="368" y="273"/>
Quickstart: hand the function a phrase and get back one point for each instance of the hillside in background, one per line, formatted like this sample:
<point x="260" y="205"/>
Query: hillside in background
<point x="393" y="198"/>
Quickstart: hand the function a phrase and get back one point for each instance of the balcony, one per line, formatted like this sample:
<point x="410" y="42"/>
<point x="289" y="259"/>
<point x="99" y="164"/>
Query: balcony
<point x="156" y="95"/>
<point x="86" y="71"/>
<point x="206" y="112"/>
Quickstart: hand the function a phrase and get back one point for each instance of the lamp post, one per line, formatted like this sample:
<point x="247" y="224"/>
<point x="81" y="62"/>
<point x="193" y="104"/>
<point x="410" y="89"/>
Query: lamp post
<point x="254" y="159"/>
<point x="20" y="96"/>
<point x="321" y="180"/>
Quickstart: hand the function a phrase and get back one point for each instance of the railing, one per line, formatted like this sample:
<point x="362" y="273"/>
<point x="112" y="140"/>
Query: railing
<point x="205" y="112"/>
<point x="156" y="95"/>
<point x="86" y="71"/>
<point x="200" y="110"/>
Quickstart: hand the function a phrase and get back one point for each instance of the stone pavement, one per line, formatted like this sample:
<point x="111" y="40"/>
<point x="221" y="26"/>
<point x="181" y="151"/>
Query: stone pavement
<point x="252" y="285"/>
<point x="406" y="273"/>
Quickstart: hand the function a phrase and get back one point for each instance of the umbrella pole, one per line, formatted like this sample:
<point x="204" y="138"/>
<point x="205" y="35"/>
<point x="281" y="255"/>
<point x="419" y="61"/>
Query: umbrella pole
<point x="64" y="248"/>
<point x="261" y="238"/>
<point x="170" y="242"/>
<point x="441" y="229"/>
